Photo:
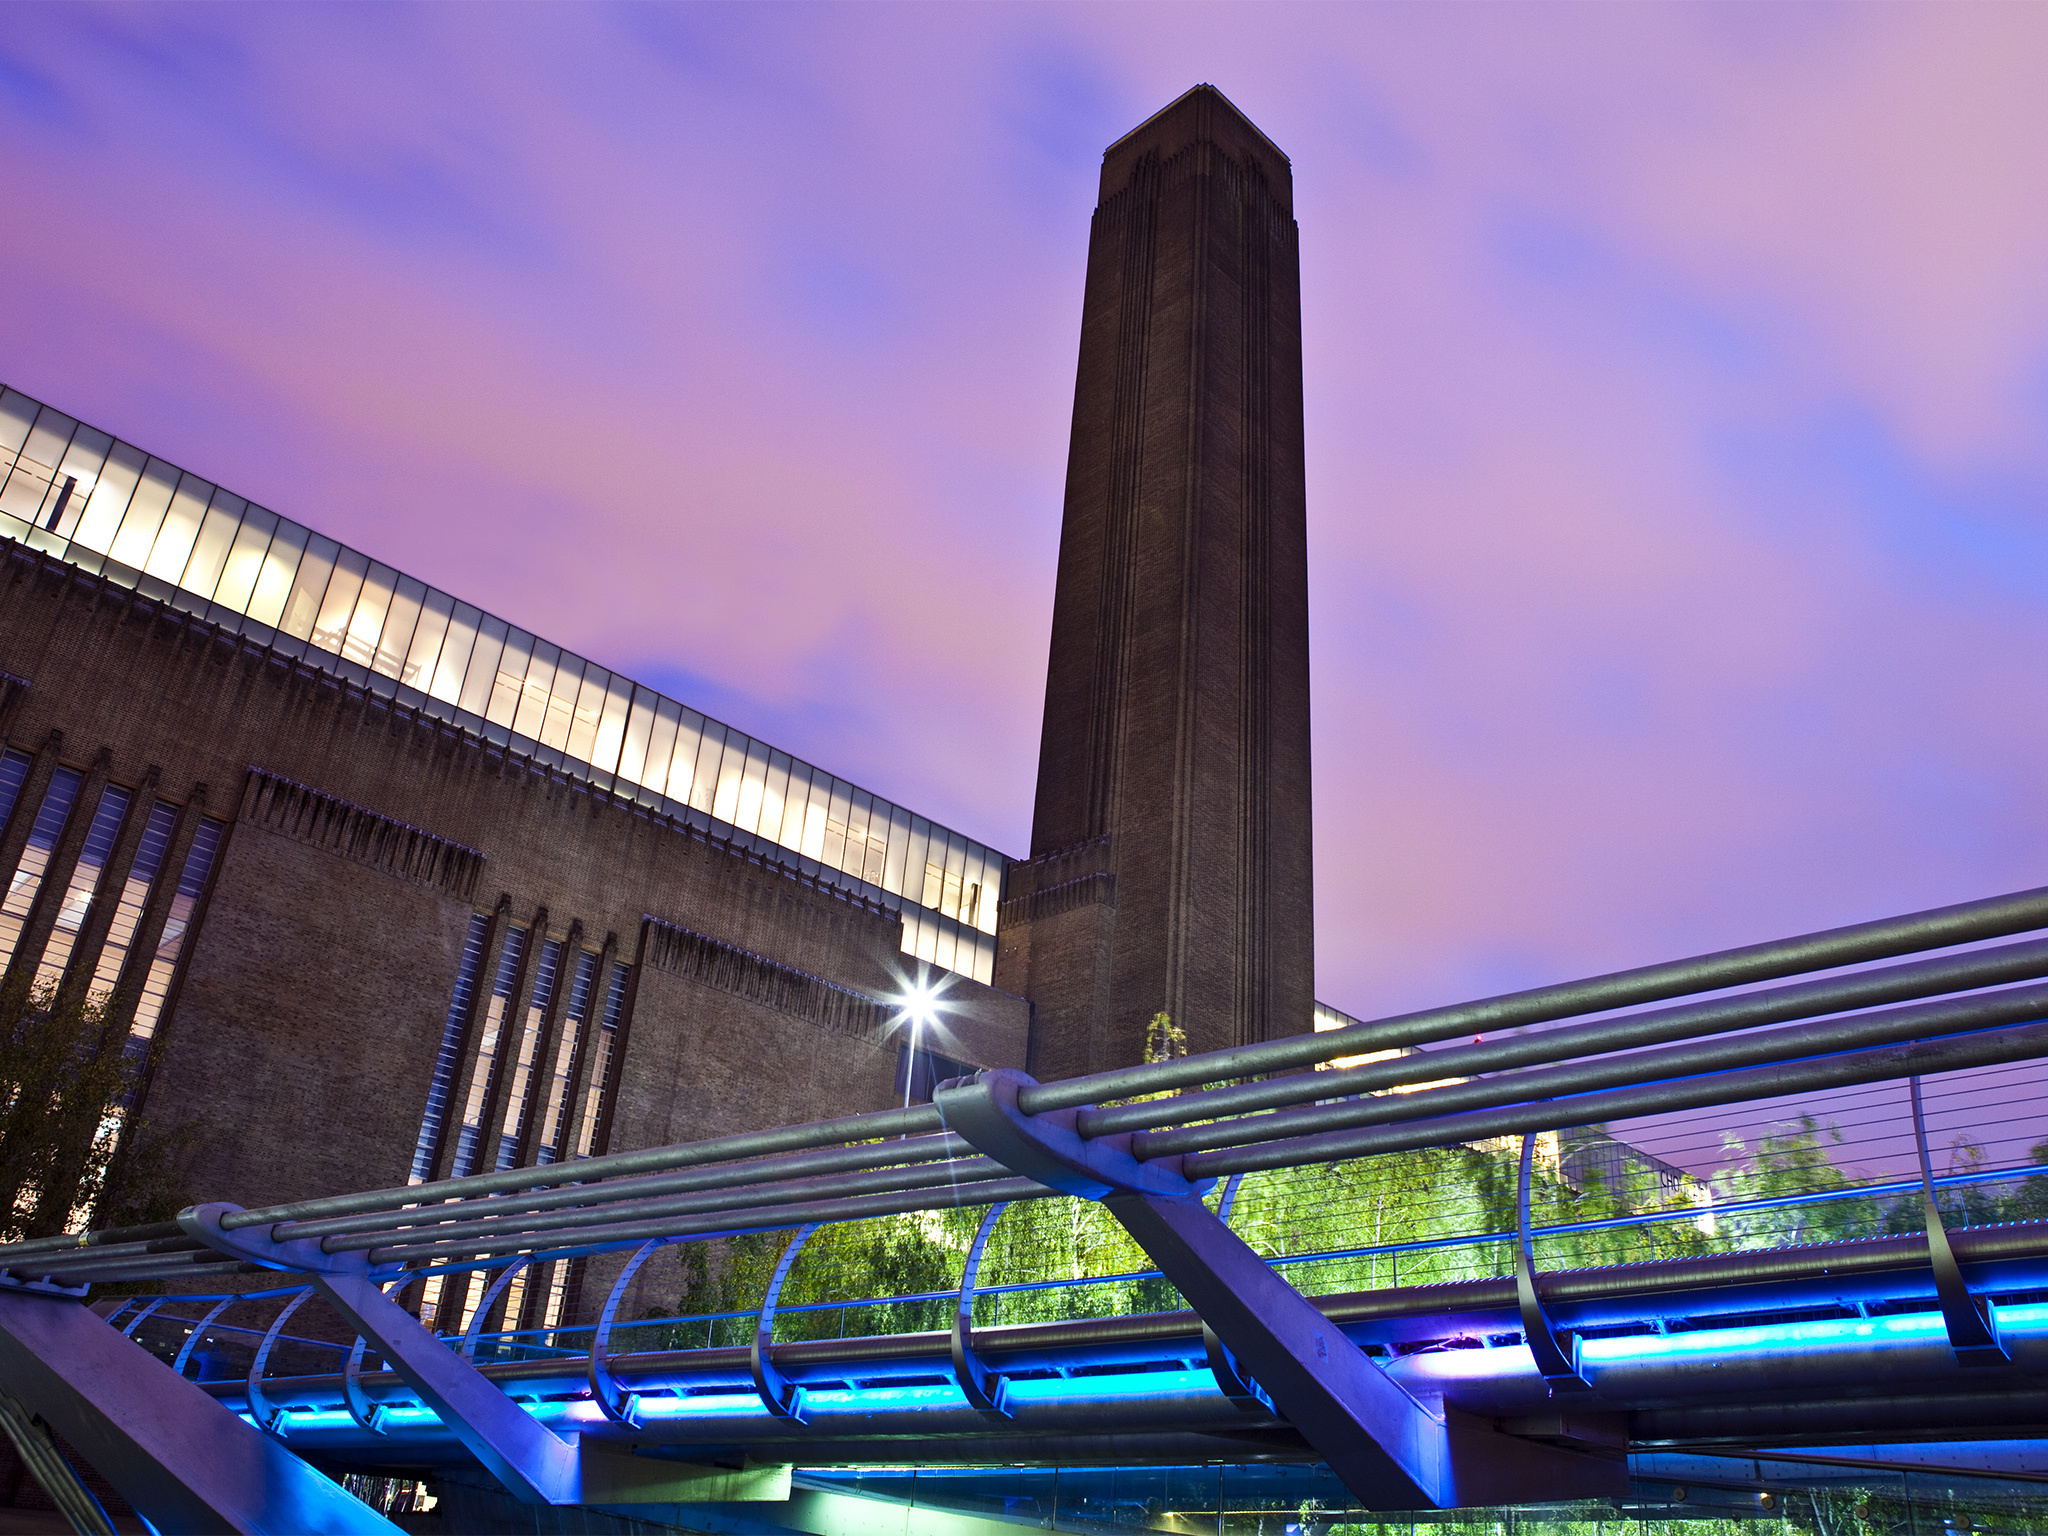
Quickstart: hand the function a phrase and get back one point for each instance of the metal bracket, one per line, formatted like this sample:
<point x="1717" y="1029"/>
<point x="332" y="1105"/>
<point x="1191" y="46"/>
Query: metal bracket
<point x="269" y="1419"/>
<point x="782" y="1397"/>
<point x="1972" y="1328"/>
<point x="38" y="1286"/>
<point x="535" y="1465"/>
<point x="174" y="1452"/>
<point x="984" y="1390"/>
<point x="1556" y="1354"/>
<point x="1389" y="1449"/>
<point x="620" y="1407"/>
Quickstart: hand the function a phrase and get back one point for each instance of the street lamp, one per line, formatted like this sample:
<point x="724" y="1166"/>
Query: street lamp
<point x="920" y="1006"/>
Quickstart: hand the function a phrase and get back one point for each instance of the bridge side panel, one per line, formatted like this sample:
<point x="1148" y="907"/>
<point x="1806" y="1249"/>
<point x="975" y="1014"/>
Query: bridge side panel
<point x="184" y="1461"/>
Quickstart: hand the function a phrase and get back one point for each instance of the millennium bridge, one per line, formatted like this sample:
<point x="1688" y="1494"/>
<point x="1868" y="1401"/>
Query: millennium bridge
<point x="1484" y="1257"/>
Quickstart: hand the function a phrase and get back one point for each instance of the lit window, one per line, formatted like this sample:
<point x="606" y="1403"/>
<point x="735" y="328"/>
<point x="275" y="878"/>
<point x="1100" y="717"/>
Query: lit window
<point x="560" y="1085"/>
<point x="149" y="858"/>
<point x="451" y="1048"/>
<point x="35" y="859"/>
<point x="85" y="878"/>
<point x="488" y="1052"/>
<point x="529" y="1047"/>
<point x="14" y="768"/>
<point x="601" y="1069"/>
<point x="156" y="986"/>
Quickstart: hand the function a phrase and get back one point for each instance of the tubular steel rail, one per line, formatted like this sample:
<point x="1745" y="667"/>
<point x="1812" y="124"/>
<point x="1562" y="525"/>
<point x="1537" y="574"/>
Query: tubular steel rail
<point x="1375" y="1383"/>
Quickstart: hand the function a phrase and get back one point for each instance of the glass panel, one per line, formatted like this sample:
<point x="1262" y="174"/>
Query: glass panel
<point x="682" y="771"/>
<point x="365" y="624"/>
<point x="179" y="528"/>
<point x="427" y="636"/>
<point x="29" y="489"/>
<point x="531" y="714"/>
<point x="35" y="858"/>
<point x="83" y="461"/>
<point x="796" y="799"/>
<point x="817" y="814"/>
<point x="316" y="569"/>
<point x="748" y="785"/>
<point x="590" y="701"/>
<point x="717" y="789"/>
<point x="146" y="510"/>
<point x="511" y="675"/>
<point x="17" y="415"/>
<point x="916" y="856"/>
<point x="330" y="628"/>
<point x="280" y="564"/>
<point x="48" y="439"/>
<point x="661" y="745"/>
<point x="633" y="743"/>
<point x="899" y="850"/>
<point x="455" y="653"/>
<point x="84" y="882"/>
<point x="110" y="496"/>
<point x="562" y="687"/>
<point x="774" y="791"/>
<point x="400" y="619"/>
<point x="480" y="681"/>
<point x="210" y="550"/>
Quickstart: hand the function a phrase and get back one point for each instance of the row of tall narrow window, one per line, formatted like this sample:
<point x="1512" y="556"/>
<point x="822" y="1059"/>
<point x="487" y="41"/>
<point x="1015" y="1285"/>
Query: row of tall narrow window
<point x="91" y="881"/>
<point x="539" y="1084"/>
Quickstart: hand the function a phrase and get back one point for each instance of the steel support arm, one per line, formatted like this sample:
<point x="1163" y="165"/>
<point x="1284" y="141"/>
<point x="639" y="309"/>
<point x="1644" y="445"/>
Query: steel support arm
<point x="1392" y="1450"/>
<point x="535" y="1465"/>
<point x="178" y="1456"/>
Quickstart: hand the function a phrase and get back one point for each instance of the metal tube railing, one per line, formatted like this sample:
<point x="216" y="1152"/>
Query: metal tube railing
<point x="1907" y="1059"/>
<point x="1938" y="928"/>
<point x="1921" y="1021"/>
<point x="1803" y="1000"/>
<point x="916" y="1150"/>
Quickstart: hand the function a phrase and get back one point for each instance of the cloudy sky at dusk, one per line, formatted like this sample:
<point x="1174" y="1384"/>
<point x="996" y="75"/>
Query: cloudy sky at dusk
<point x="1677" y="391"/>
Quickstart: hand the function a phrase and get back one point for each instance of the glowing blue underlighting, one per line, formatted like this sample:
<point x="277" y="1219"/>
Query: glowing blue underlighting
<point x="1904" y="1328"/>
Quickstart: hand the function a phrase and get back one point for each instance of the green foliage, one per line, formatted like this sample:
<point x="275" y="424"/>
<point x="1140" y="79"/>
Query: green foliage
<point x="1385" y="1205"/>
<point x="66" y="1155"/>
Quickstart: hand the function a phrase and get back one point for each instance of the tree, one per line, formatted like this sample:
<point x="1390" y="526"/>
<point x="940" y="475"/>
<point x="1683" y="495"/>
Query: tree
<point x="68" y="1152"/>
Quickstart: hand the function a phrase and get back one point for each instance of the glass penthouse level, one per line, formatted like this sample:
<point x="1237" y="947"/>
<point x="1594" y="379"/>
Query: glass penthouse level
<point x="106" y="506"/>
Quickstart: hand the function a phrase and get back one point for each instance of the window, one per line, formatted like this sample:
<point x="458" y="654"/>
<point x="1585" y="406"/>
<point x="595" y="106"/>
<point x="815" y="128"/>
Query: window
<point x="85" y="878"/>
<point x="14" y="768"/>
<point x="35" y="859"/>
<point x="601" y="1069"/>
<point x="488" y="1052"/>
<point x="559" y="1084"/>
<point x="156" y="986"/>
<point x="529" y="1047"/>
<point x="450" y="1056"/>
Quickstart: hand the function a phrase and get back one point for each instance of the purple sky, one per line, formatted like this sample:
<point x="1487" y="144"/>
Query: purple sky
<point x="1677" y="384"/>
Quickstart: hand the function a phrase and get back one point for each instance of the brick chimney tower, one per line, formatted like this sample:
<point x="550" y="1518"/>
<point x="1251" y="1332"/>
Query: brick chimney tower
<point x="1170" y="852"/>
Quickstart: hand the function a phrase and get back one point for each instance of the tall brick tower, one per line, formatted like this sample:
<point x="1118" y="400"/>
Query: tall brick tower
<point x="1170" y="859"/>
